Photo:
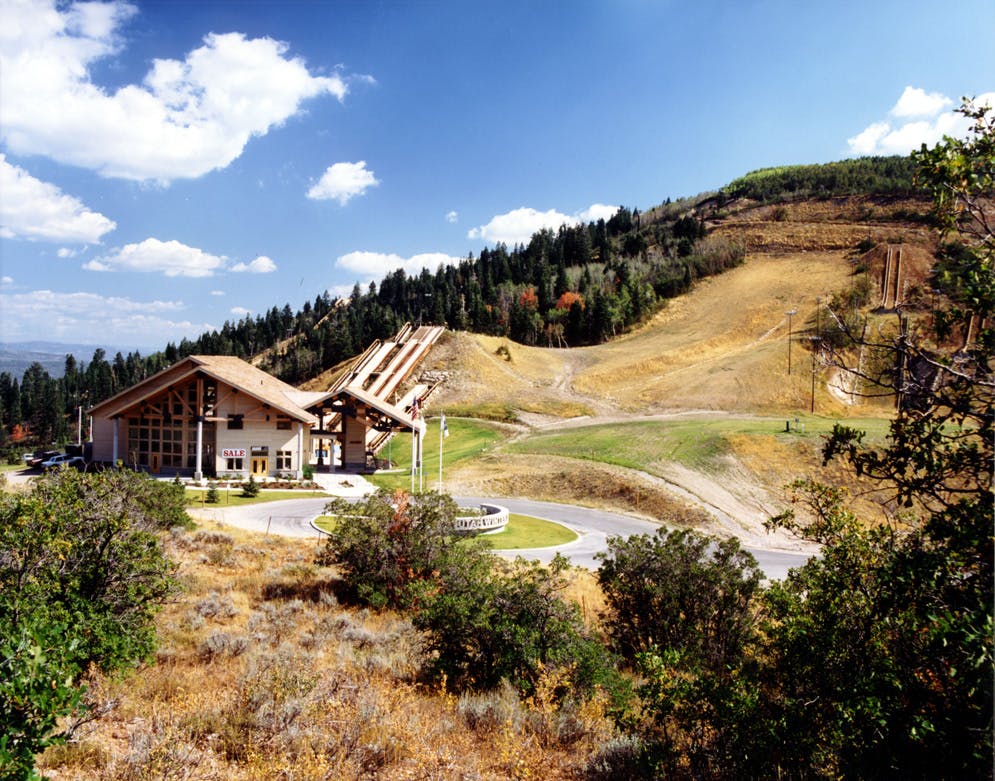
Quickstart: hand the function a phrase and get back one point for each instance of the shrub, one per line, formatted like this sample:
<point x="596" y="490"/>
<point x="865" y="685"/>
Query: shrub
<point x="82" y="575"/>
<point x="389" y="543"/>
<point x="509" y="622"/>
<point x="250" y="488"/>
<point x="679" y="589"/>
<point x="220" y="643"/>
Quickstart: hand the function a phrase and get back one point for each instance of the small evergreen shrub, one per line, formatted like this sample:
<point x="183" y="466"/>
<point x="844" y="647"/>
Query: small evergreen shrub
<point x="250" y="488"/>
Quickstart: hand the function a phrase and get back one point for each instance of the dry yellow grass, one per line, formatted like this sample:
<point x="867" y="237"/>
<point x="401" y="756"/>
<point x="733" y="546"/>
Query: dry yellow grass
<point x="724" y="345"/>
<point x="721" y="347"/>
<point x="262" y="674"/>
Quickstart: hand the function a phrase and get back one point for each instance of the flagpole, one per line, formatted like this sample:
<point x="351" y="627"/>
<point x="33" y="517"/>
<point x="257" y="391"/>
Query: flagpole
<point x="414" y="442"/>
<point x="442" y="428"/>
<point x="421" y="457"/>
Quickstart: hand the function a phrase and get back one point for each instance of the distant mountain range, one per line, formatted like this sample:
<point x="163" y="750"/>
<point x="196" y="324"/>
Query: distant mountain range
<point x="16" y="357"/>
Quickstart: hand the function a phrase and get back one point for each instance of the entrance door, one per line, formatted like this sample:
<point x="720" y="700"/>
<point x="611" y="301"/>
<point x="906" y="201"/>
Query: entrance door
<point x="154" y="467"/>
<point x="260" y="467"/>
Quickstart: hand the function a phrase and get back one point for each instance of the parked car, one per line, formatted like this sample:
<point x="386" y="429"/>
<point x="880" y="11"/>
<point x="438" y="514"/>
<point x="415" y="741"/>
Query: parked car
<point x="63" y="460"/>
<point x="40" y="456"/>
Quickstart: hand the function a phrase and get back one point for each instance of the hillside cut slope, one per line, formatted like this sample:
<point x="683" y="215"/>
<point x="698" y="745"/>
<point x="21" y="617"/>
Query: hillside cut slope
<point x="721" y="349"/>
<point x="723" y="346"/>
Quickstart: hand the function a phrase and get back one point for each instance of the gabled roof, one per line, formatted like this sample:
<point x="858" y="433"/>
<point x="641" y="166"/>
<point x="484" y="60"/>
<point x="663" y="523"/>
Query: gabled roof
<point x="224" y="368"/>
<point x="382" y="406"/>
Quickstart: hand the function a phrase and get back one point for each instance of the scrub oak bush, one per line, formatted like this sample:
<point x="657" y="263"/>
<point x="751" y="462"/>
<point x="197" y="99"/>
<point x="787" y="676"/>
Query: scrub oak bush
<point x="82" y="575"/>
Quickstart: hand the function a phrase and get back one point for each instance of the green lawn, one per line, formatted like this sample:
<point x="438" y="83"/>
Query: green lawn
<point x="232" y="497"/>
<point x="467" y="439"/>
<point x="522" y="531"/>
<point x="695" y="443"/>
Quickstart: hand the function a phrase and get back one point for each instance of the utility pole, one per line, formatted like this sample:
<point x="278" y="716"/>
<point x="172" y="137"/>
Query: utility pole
<point x="816" y="342"/>
<point x="812" y="402"/>
<point x="790" y="313"/>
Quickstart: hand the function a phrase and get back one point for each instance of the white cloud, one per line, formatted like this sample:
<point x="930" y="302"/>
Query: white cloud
<point x="89" y="318"/>
<point x="167" y="257"/>
<point x="66" y="252"/>
<point x="867" y="140"/>
<point x="341" y="291"/>
<point x="917" y="102"/>
<point x="932" y="121"/>
<point x="185" y="119"/>
<point x="33" y="209"/>
<point x="518" y="226"/>
<point x="6" y="280"/>
<point x="218" y="293"/>
<point x="343" y="181"/>
<point x="240" y="311"/>
<point x="261" y="265"/>
<point x="452" y="217"/>
<point x="597" y="211"/>
<point x="375" y="265"/>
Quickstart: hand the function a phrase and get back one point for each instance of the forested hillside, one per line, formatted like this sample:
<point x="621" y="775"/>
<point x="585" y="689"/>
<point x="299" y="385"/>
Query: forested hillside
<point x="577" y="286"/>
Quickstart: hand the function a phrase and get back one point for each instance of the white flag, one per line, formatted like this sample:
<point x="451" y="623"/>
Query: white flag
<point x="445" y="428"/>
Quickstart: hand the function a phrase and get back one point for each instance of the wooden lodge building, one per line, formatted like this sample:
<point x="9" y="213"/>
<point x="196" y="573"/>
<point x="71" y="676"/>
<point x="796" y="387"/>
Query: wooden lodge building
<point x="210" y="415"/>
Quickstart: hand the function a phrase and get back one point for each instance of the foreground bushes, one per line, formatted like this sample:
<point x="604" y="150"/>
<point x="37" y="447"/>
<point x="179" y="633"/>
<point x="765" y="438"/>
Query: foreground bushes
<point x="486" y="621"/>
<point x="82" y="574"/>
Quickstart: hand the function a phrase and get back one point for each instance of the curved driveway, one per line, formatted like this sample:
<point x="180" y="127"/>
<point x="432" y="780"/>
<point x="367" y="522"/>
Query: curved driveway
<point x="596" y="526"/>
<point x="293" y="517"/>
<point x="288" y="518"/>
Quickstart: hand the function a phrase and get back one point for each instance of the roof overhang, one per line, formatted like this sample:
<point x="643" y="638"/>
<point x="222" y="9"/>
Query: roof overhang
<point x="125" y="401"/>
<point x="343" y="396"/>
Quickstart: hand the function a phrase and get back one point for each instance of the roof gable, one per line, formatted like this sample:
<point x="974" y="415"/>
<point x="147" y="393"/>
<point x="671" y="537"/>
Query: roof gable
<point x="224" y="368"/>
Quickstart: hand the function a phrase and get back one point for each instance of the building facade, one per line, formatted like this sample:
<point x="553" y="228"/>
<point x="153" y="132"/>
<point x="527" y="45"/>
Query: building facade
<point x="206" y="416"/>
<point x="217" y="415"/>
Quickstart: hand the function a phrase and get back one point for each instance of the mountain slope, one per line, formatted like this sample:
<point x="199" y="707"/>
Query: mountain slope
<point x="722" y="346"/>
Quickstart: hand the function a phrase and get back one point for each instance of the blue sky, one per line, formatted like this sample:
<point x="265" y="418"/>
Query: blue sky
<point x="168" y="165"/>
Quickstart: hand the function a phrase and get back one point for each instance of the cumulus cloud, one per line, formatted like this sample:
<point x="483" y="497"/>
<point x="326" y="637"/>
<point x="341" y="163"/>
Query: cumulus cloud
<point x="186" y="118"/>
<point x="342" y="182"/>
<point x="597" y="211"/>
<point x="89" y="317"/>
<point x="917" y="118"/>
<point x="6" y="280"/>
<point x="167" y="257"/>
<point x="240" y="311"/>
<point x="374" y="265"/>
<point x="452" y="217"/>
<point x="37" y="210"/>
<point x="518" y="226"/>
<point x="916" y="102"/>
<point x="261" y="265"/>
<point x="218" y="293"/>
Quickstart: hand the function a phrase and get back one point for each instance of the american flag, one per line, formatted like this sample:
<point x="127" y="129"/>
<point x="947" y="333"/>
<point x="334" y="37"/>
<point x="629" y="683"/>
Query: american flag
<point x="445" y="428"/>
<point x="414" y="409"/>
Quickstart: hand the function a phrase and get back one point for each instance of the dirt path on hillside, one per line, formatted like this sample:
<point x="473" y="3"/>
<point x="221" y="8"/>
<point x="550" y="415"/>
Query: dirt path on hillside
<point x="737" y="503"/>
<point x="719" y="351"/>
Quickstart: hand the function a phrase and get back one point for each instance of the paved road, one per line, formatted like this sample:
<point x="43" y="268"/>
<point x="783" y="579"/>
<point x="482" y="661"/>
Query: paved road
<point x="288" y="518"/>
<point x="595" y="526"/>
<point x="292" y="518"/>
